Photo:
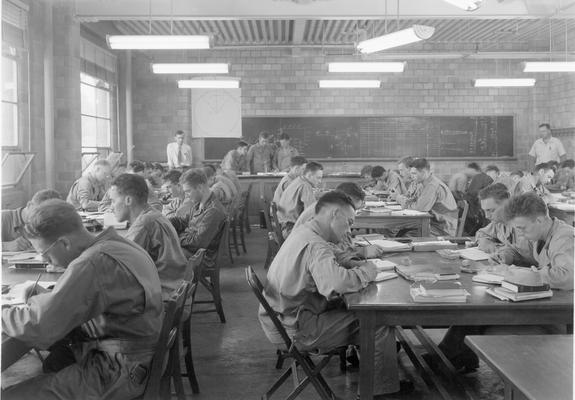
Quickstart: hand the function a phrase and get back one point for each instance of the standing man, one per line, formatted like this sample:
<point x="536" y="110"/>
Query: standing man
<point x="260" y="155"/>
<point x="547" y="148"/>
<point x="179" y="153"/>
<point x="283" y="156"/>
<point x="235" y="160"/>
<point x="88" y="191"/>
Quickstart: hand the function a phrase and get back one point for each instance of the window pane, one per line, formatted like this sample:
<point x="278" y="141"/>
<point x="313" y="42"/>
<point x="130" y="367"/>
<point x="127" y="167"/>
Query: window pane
<point x="9" y="80"/>
<point x="14" y="166"/>
<point x="88" y="100"/>
<point x="102" y="103"/>
<point x="103" y="132"/>
<point x="9" y="124"/>
<point x="89" y="135"/>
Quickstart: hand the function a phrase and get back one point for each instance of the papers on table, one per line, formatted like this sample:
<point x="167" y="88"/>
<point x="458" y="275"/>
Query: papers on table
<point x="474" y="254"/>
<point x="411" y="213"/>
<point x="21" y="256"/>
<point x="486" y="277"/>
<point x="371" y="204"/>
<point x="433" y="245"/>
<point x="394" y="207"/>
<point x="382" y="210"/>
<point x="427" y="272"/>
<point x="383" y="265"/>
<point x="390" y="245"/>
<point x="438" y="292"/>
<point x="385" y="275"/>
<point x="563" y="206"/>
<point x="17" y="294"/>
<point x="26" y="260"/>
<point x="504" y="294"/>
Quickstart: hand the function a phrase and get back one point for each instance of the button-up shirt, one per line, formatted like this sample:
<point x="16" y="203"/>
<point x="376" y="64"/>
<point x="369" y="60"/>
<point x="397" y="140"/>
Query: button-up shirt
<point x="260" y="158"/>
<point x="12" y="225"/>
<point x="552" y="150"/>
<point x="283" y="156"/>
<point x="234" y="161"/>
<point x="86" y="193"/>
<point x="179" y="156"/>
<point x="509" y="244"/>
<point x="529" y="184"/>
<point x="155" y="234"/>
<point x="390" y="182"/>
<point x="305" y="275"/>
<point x="282" y="186"/>
<point x="297" y="197"/>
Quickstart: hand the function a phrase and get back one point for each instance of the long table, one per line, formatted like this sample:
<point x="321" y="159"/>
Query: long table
<point x="389" y="303"/>
<point x="375" y="220"/>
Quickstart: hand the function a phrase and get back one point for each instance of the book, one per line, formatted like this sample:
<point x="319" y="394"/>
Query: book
<point x="516" y="288"/>
<point x="384" y="276"/>
<point x="486" y="277"/>
<point x="383" y="265"/>
<point x="505" y="294"/>
<point x="442" y="288"/>
<point x="418" y="296"/>
<point x="433" y="245"/>
<point x="427" y="272"/>
<point x="474" y="254"/>
<point x="391" y="245"/>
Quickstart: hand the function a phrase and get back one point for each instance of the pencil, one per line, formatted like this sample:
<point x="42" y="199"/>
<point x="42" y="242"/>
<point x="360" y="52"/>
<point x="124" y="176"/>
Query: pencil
<point x="35" y="285"/>
<point x="367" y="240"/>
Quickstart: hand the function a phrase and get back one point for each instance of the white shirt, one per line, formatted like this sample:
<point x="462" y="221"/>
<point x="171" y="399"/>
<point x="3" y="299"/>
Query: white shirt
<point x="545" y="152"/>
<point x="172" y="152"/>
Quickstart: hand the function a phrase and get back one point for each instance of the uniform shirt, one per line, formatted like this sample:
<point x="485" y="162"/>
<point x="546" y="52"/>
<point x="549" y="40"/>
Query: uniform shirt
<point x="554" y="256"/>
<point x="435" y="197"/>
<point x="458" y="182"/>
<point x="543" y="152"/>
<point x="284" y="183"/>
<point x="231" y="175"/>
<point x="169" y="210"/>
<point x="12" y="225"/>
<point x="178" y="158"/>
<point x="155" y="234"/>
<point x="224" y="194"/>
<point x="390" y="182"/>
<point x="86" y="193"/>
<point x="234" y="161"/>
<point x="297" y="197"/>
<point x="283" y="156"/>
<point x="305" y="275"/>
<point x="260" y="158"/>
<point x="528" y="184"/>
<point x="508" y="242"/>
<point x="111" y="290"/>
<point x="564" y="180"/>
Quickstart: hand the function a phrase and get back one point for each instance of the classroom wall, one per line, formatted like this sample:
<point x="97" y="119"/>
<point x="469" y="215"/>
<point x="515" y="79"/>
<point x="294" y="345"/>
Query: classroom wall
<point x="283" y="82"/>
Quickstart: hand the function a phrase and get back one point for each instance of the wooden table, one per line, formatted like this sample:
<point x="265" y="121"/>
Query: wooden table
<point x="374" y="220"/>
<point x="389" y="303"/>
<point x="534" y="367"/>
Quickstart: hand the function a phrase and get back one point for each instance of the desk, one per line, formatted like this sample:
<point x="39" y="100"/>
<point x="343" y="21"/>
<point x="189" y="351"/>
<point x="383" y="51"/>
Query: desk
<point x="374" y="220"/>
<point x="389" y="303"/>
<point x="533" y="367"/>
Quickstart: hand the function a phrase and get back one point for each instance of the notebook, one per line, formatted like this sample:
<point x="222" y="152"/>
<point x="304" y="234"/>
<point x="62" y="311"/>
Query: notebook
<point x="504" y="294"/>
<point x="474" y="254"/>
<point x="418" y="295"/>
<point x="433" y="245"/>
<point x="486" y="277"/>
<point x="384" y="276"/>
<point x="427" y="272"/>
<point x="383" y="265"/>
<point x="391" y="245"/>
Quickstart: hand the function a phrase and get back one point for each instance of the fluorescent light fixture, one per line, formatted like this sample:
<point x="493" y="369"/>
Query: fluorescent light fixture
<point x="507" y="82"/>
<point x="549" y="66"/>
<point x="157" y="42"/>
<point x="366" y="66"/>
<point x="208" y="84"/>
<point x="396" y="39"/>
<point x="467" y="5"/>
<point x="348" y="84"/>
<point x="158" y="68"/>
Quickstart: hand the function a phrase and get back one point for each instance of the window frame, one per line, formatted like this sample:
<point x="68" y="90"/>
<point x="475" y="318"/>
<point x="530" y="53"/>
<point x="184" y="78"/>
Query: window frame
<point x="18" y="103"/>
<point x="110" y="119"/>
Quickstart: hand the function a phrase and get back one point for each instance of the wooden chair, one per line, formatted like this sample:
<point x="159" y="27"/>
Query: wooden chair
<point x="464" y="207"/>
<point x="275" y="223"/>
<point x="242" y="213"/>
<point x="165" y="365"/>
<point x="245" y="216"/>
<point x="273" y="241"/>
<point x="300" y="358"/>
<point x="210" y="277"/>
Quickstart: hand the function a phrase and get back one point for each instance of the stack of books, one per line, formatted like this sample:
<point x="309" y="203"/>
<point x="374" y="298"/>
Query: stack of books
<point x="518" y="292"/>
<point x="439" y="292"/>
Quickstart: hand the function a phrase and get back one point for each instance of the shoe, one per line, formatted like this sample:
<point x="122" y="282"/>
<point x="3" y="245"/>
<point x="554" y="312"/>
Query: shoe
<point x="405" y="387"/>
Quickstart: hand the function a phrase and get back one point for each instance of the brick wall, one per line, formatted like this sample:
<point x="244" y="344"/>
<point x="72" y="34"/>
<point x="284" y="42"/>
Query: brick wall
<point x="275" y="82"/>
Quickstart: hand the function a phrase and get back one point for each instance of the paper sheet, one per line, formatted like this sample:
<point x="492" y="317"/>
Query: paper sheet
<point x="474" y="254"/>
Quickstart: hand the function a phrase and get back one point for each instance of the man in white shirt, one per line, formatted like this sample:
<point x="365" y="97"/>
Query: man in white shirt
<point x="179" y="153"/>
<point x="547" y="148"/>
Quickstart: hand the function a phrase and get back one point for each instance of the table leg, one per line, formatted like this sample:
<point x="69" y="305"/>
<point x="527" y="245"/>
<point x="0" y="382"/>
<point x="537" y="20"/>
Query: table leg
<point x="425" y="227"/>
<point x="367" y="346"/>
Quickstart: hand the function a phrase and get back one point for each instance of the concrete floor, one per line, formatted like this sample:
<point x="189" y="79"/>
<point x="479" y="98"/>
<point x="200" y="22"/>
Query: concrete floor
<point x="235" y="360"/>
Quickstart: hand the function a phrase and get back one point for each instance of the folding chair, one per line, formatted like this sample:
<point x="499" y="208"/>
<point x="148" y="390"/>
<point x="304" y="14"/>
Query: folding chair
<point x="273" y="241"/>
<point x="301" y="358"/>
<point x="245" y="216"/>
<point x="463" y="205"/>
<point x="275" y="223"/>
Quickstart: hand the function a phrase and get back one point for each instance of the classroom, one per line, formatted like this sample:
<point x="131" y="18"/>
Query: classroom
<point x="287" y="199"/>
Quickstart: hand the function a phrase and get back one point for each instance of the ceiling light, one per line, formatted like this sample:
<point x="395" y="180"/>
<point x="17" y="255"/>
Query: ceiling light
<point x="507" y="82"/>
<point x="349" y="84"/>
<point x="550" y="66"/>
<point x="467" y="5"/>
<point x="208" y="84"/>
<point x="366" y="66"/>
<point x="395" y="39"/>
<point x="190" y="68"/>
<point x="157" y="42"/>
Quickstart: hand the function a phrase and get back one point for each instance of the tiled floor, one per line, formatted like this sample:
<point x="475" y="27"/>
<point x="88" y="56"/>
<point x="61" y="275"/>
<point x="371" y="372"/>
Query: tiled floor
<point x="235" y="361"/>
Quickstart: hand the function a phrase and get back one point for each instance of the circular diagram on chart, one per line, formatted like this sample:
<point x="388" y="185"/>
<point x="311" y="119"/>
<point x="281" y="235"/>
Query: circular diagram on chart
<point x="216" y="113"/>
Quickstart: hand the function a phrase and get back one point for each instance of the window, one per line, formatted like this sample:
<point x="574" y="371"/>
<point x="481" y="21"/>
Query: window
<point x="10" y="132"/>
<point x="96" y="113"/>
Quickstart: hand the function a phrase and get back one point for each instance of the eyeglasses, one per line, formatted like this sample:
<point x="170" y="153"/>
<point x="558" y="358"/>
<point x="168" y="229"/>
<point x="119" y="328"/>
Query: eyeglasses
<point x="43" y="254"/>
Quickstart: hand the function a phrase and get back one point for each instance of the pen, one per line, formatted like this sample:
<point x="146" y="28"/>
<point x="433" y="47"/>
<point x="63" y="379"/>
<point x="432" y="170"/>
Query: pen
<point x="35" y="285"/>
<point x="367" y="240"/>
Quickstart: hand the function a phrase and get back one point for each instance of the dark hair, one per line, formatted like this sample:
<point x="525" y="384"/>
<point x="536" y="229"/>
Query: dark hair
<point x="264" y="135"/>
<point x="179" y="132"/>
<point x="352" y="190"/>
<point x="492" y="168"/>
<point x="406" y="160"/>
<point x="570" y="163"/>
<point x="519" y="173"/>
<point x="545" y="125"/>
<point x="525" y="205"/>
<point x="377" y="172"/>
<point x="284" y="136"/>
<point x="194" y="177"/>
<point x="159" y="167"/>
<point x="132" y="185"/>
<point x="475" y="166"/>
<point x="553" y="165"/>
<point x="241" y="143"/>
<point x="296" y="161"/>
<point x="312" y="166"/>
<point x="420" y="164"/>
<point x="149" y="165"/>
<point x="173" y="176"/>
<point x="334" y="197"/>
<point x="541" y="166"/>
<point x="209" y="170"/>
<point x="43" y="195"/>
<point x="51" y="219"/>
<point x="137" y="166"/>
<point x="497" y="191"/>
<point x="366" y="170"/>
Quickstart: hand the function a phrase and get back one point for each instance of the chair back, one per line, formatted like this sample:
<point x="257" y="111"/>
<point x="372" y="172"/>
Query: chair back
<point x="258" y="290"/>
<point x="464" y="206"/>
<point x="276" y="224"/>
<point x="159" y="367"/>
<point x="267" y="215"/>
<point x="223" y="244"/>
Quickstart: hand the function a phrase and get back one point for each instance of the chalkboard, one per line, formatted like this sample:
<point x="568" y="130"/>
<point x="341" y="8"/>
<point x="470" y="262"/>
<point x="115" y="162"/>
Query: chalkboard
<point x="381" y="137"/>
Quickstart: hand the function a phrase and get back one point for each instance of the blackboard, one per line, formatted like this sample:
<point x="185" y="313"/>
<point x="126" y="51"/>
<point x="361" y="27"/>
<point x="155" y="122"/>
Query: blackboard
<point x="381" y="137"/>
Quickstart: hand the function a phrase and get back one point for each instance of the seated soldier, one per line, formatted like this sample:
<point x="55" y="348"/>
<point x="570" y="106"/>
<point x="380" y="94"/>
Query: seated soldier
<point x="227" y="182"/>
<point x="498" y="238"/>
<point x="385" y="179"/>
<point x="298" y="196"/>
<point x="515" y="178"/>
<point x="475" y="217"/>
<point x="13" y="221"/>
<point x="150" y="229"/>
<point x="222" y="191"/>
<point x="305" y="282"/>
<point x="535" y="182"/>
<point x="565" y="178"/>
<point x="109" y="296"/>
<point x="432" y="196"/>
<point x="366" y="179"/>
<point x="297" y="166"/>
<point x="87" y="192"/>
<point x="202" y="227"/>
<point x="175" y="194"/>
